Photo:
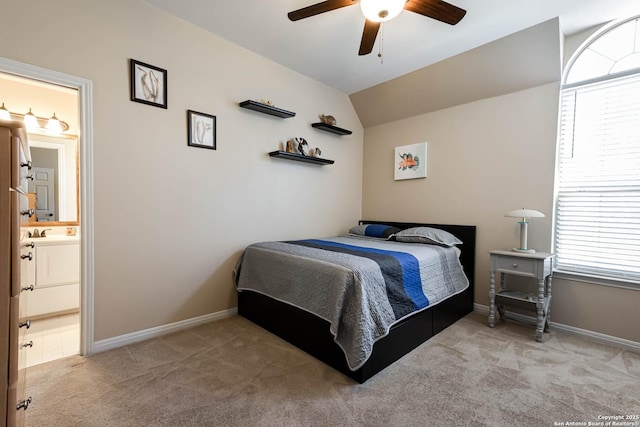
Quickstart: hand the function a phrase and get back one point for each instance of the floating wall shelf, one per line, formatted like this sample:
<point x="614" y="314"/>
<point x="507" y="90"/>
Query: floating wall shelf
<point x="267" y="109"/>
<point x="331" y="128"/>
<point x="301" y="158"/>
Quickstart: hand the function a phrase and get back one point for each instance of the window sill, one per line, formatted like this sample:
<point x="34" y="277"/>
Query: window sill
<point x="596" y="280"/>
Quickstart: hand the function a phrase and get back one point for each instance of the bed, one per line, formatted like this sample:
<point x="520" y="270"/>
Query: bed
<point x="311" y="292"/>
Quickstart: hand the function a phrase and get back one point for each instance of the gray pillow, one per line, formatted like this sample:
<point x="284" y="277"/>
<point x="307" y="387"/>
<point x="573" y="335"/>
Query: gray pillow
<point x="431" y="236"/>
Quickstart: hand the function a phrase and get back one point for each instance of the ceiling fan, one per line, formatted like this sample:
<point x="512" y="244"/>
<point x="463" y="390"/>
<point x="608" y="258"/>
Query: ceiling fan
<point x="378" y="11"/>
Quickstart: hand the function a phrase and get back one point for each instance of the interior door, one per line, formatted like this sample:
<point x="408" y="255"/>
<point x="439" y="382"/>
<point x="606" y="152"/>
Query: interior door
<point x="43" y="185"/>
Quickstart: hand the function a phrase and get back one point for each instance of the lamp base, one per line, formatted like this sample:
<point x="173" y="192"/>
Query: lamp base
<point x="526" y="251"/>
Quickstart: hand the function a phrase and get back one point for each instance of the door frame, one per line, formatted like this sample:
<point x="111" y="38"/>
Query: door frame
<point x="85" y="144"/>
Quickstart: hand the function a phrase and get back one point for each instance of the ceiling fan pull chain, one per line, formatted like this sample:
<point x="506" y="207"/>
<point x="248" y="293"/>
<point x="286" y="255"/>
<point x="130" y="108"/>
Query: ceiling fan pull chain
<point x="381" y="42"/>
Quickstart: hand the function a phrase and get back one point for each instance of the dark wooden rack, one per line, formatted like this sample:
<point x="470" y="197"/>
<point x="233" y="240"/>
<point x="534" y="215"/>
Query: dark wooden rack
<point x="301" y="158"/>
<point x="267" y="109"/>
<point x="330" y="128"/>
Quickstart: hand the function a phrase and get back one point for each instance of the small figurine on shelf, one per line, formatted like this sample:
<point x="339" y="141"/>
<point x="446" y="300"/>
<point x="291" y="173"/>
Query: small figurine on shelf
<point x="303" y="145"/>
<point x="317" y="152"/>
<point x="327" y="119"/>
<point x="290" y="147"/>
<point x="266" y="102"/>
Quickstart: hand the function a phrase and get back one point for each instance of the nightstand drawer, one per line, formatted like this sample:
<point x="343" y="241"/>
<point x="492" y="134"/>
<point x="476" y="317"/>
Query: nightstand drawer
<point x="513" y="265"/>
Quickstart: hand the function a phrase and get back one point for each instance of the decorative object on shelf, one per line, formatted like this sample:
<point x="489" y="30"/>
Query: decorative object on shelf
<point x="266" y="102"/>
<point x="301" y="158"/>
<point x="302" y="145"/>
<point x="202" y="130"/>
<point x="328" y="120"/>
<point x="290" y="147"/>
<point x="266" y="109"/>
<point x="148" y="84"/>
<point x="524" y="214"/>
<point x="52" y="125"/>
<point x="314" y="152"/>
<point x="410" y="161"/>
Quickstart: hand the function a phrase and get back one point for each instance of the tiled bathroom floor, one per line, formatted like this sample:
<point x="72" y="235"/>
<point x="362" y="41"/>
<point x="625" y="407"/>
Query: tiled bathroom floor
<point x="54" y="338"/>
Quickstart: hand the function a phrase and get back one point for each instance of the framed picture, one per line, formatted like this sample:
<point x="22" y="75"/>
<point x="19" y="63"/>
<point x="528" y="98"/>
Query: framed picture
<point x="202" y="130"/>
<point x="410" y="161"/>
<point x="148" y="84"/>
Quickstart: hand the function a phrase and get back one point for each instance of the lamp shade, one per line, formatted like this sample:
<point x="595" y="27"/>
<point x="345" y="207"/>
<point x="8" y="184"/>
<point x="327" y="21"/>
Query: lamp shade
<point x="54" y="124"/>
<point x="30" y="120"/>
<point x="524" y="213"/>
<point x="4" y="113"/>
<point x="381" y="10"/>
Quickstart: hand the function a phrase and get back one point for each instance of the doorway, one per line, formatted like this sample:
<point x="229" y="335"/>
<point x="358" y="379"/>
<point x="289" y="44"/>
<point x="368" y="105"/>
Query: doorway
<point x="78" y="120"/>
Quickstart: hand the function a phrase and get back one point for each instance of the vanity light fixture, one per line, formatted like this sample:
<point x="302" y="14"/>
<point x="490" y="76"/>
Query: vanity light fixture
<point x="54" y="125"/>
<point x="4" y="113"/>
<point x="524" y="214"/>
<point x="35" y="123"/>
<point x="31" y="121"/>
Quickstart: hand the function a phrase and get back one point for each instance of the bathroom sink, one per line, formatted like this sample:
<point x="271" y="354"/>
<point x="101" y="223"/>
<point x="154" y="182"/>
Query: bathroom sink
<point x="53" y="239"/>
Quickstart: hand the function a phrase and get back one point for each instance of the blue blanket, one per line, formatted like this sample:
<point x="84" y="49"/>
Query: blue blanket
<point x="400" y="270"/>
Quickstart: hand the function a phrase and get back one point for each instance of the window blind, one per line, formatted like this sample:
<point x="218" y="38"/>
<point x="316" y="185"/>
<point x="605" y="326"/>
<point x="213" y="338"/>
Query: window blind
<point x="597" y="224"/>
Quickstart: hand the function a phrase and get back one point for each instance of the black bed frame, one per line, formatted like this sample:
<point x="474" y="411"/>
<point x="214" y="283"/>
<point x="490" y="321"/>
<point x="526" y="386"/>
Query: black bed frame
<point x="311" y="333"/>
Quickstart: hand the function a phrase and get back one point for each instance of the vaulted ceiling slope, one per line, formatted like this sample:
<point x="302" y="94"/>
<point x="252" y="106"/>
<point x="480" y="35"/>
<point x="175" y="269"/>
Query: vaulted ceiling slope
<point x="526" y="59"/>
<point x="325" y="47"/>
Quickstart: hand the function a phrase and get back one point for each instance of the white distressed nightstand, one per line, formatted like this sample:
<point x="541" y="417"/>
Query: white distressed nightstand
<point x="536" y="265"/>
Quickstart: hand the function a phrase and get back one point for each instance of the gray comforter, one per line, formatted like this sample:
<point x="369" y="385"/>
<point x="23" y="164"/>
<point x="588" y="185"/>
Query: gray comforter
<point x="361" y="286"/>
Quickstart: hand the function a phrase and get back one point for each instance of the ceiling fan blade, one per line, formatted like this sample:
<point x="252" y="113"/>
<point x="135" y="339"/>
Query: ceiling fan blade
<point x="318" y="8"/>
<point x="436" y="9"/>
<point x="369" y="35"/>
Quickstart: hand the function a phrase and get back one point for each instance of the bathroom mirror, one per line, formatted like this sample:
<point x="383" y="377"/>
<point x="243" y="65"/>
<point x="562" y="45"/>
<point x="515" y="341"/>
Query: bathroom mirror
<point x="54" y="189"/>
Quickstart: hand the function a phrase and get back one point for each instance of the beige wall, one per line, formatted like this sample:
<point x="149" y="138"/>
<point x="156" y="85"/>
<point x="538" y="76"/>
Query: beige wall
<point x="526" y="59"/>
<point x="484" y="159"/>
<point x="171" y="220"/>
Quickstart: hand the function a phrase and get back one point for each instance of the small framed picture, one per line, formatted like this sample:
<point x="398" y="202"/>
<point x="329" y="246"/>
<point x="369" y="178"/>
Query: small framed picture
<point x="148" y="84"/>
<point x="202" y="130"/>
<point x="410" y="161"/>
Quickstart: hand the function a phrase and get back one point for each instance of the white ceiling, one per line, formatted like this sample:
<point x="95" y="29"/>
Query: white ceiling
<point x="325" y="47"/>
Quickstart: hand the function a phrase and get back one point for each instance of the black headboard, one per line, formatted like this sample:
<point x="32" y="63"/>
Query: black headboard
<point x="466" y="233"/>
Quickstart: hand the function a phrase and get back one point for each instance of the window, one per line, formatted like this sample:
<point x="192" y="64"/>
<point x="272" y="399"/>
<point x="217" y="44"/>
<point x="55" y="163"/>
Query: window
<point x="597" y="214"/>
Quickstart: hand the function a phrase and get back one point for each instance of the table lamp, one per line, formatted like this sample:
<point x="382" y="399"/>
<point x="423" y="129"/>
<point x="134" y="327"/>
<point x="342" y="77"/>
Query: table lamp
<point x="524" y="214"/>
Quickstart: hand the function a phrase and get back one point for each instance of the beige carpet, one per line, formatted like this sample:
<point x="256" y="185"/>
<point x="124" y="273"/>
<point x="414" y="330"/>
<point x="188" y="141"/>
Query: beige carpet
<point x="233" y="373"/>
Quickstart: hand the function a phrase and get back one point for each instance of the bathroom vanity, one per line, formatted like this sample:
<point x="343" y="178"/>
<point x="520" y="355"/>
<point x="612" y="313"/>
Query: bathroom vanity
<point x="55" y="273"/>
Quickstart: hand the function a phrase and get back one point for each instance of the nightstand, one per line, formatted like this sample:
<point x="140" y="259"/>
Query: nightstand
<point x="536" y="265"/>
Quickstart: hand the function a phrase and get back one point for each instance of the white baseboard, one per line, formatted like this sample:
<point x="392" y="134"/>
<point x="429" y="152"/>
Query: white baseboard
<point x="134" y="337"/>
<point x="596" y="336"/>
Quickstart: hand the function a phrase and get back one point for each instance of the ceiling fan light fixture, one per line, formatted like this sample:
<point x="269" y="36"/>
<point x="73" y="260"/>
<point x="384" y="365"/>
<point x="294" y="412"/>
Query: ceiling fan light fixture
<point x="381" y="10"/>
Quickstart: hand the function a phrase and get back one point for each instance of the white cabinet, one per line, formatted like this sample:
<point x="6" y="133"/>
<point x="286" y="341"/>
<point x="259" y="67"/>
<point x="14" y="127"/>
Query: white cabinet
<point x="57" y="265"/>
<point x="56" y="271"/>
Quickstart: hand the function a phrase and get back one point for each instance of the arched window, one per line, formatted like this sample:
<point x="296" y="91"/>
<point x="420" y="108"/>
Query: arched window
<point x="597" y="214"/>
